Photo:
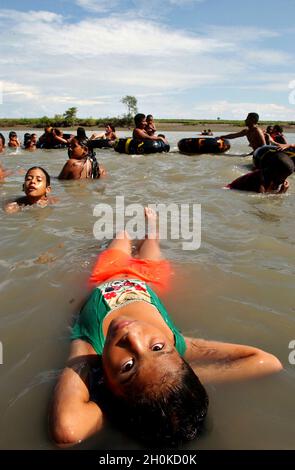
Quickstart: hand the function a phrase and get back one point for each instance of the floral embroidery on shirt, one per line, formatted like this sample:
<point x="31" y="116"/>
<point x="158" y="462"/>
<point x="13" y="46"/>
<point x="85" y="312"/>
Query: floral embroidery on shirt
<point x="120" y="291"/>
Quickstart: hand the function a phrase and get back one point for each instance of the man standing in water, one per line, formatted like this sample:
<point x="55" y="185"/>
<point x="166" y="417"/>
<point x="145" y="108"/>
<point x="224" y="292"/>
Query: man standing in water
<point x="253" y="133"/>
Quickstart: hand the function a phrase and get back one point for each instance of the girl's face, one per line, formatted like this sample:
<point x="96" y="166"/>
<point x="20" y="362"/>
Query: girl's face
<point x="35" y="184"/>
<point x="136" y="350"/>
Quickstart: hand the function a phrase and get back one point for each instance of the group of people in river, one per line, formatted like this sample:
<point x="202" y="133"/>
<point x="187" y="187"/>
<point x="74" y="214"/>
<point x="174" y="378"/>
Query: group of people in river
<point x="128" y="361"/>
<point x="272" y="175"/>
<point x="82" y="163"/>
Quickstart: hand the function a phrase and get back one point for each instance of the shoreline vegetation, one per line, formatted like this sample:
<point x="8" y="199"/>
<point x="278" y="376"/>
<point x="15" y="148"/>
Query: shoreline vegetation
<point x="172" y="125"/>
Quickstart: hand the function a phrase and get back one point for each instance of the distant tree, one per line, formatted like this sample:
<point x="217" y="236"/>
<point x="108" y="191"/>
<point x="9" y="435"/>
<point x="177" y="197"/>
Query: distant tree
<point x="44" y="121"/>
<point x="131" y="103"/>
<point x="58" y="120"/>
<point x="218" y="119"/>
<point x="70" y="116"/>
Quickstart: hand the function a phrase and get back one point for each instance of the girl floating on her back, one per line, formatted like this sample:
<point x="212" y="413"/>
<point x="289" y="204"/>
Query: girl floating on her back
<point x="150" y="380"/>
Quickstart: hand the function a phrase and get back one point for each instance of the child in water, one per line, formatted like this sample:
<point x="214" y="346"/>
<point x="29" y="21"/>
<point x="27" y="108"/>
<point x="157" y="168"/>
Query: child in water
<point x="150" y="125"/>
<point x="30" y="142"/>
<point x="36" y="187"/>
<point x="270" y="179"/>
<point x="2" y="143"/>
<point x="147" y="383"/>
<point x="13" y="140"/>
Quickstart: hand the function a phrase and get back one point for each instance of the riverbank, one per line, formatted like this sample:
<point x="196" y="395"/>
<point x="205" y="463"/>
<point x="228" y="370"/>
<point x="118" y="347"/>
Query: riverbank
<point x="174" y="126"/>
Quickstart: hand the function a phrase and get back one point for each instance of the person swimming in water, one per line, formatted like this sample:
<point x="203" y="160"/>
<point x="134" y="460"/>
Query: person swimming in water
<point x="109" y="134"/>
<point x="81" y="163"/>
<point x="2" y="143"/>
<point x="36" y="187"/>
<point x="13" y="140"/>
<point x="271" y="178"/>
<point x="30" y="142"/>
<point x="150" y="377"/>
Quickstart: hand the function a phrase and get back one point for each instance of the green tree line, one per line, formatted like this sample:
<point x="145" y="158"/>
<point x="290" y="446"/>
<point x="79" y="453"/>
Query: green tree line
<point x="69" y="118"/>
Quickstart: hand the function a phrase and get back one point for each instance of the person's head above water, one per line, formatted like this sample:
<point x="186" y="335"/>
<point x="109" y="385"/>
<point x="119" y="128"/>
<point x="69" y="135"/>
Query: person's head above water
<point x="140" y="120"/>
<point x="12" y="135"/>
<point x="281" y="166"/>
<point x="2" y="140"/>
<point x="155" y="392"/>
<point x="252" y="119"/>
<point x="109" y="127"/>
<point x="37" y="183"/>
<point x="81" y="134"/>
<point x="277" y="128"/>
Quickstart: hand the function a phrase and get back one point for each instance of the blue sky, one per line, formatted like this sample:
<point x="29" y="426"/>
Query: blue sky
<point x="180" y="58"/>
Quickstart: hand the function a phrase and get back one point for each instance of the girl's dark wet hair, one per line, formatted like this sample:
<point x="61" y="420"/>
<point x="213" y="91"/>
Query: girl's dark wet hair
<point x="279" y="168"/>
<point x="12" y="134"/>
<point x="277" y="128"/>
<point x="47" y="176"/>
<point x="27" y="137"/>
<point x="161" y="416"/>
<point x="81" y="134"/>
<point x="2" y="138"/>
<point x="111" y="126"/>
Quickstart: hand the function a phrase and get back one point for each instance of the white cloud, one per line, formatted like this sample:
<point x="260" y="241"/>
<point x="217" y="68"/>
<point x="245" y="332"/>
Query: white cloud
<point x="98" y="6"/>
<point x="30" y="16"/>
<point x="268" y="56"/>
<point x="185" y="2"/>
<point x="102" y="37"/>
<point x="102" y="6"/>
<point x="93" y="62"/>
<point x="241" y="34"/>
<point x="18" y="89"/>
<point x="228" y="110"/>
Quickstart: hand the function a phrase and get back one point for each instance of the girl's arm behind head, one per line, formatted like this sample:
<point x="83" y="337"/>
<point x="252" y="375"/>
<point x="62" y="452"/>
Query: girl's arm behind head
<point x="215" y="361"/>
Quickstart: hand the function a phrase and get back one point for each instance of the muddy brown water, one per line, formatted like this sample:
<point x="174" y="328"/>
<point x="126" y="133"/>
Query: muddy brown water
<point x="237" y="287"/>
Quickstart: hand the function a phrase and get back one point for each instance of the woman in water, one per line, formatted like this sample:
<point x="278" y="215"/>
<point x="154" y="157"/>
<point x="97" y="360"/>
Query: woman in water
<point x="81" y="164"/>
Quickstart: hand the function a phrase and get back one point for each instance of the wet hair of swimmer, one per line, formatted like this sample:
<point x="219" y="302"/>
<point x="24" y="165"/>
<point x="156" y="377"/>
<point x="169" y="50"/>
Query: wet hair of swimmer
<point x="138" y="118"/>
<point x="111" y="126"/>
<point x="277" y="128"/>
<point x="161" y="416"/>
<point x="81" y="134"/>
<point x="27" y="137"/>
<point x="12" y="134"/>
<point x="254" y="117"/>
<point x="47" y="176"/>
<point x="280" y="167"/>
<point x="149" y="117"/>
<point x="2" y="138"/>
